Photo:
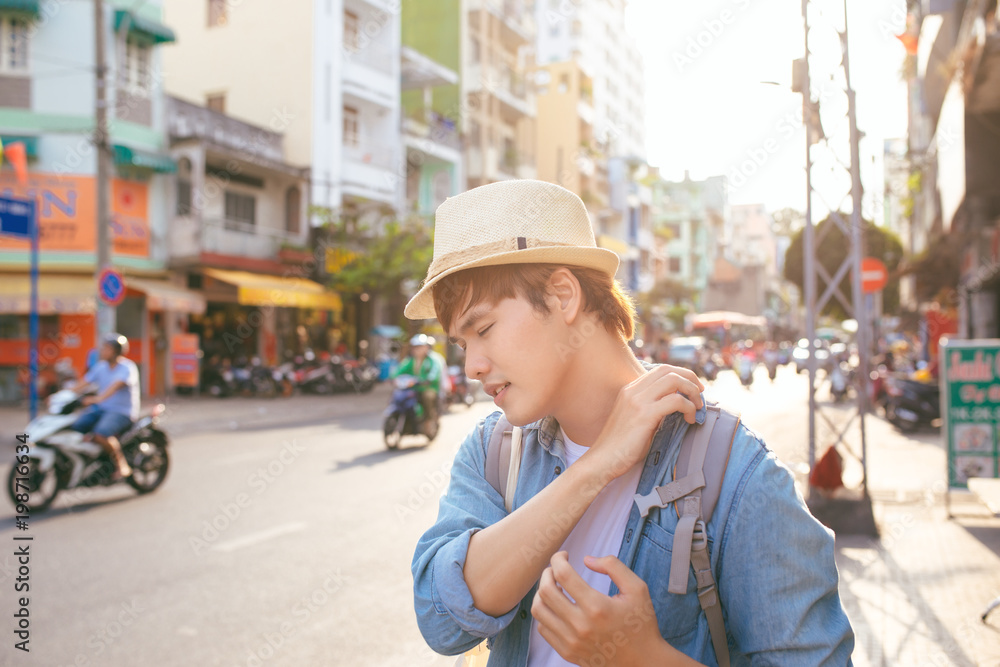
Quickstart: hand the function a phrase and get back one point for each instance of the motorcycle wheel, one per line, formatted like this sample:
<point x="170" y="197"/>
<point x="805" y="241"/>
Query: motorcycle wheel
<point x="392" y="430"/>
<point x="904" y="425"/>
<point x="150" y="462"/>
<point x="42" y="487"/>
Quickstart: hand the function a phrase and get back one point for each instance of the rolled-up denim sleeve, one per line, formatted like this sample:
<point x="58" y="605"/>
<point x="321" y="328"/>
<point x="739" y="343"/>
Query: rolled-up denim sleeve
<point x="778" y="577"/>
<point x="446" y="615"/>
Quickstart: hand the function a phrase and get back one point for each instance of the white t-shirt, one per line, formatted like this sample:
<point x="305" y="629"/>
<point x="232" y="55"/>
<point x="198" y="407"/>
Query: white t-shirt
<point x="598" y="533"/>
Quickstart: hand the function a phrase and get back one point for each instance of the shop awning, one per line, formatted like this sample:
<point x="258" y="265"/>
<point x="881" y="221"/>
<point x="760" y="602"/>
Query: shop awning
<point x="134" y="157"/>
<point x="256" y="289"/>
<point x="56" y="294"/>
<point x="20" y="6"/>
<point x="30" y="143"/>
<point x="163" y="295"/>
<point x="146" y="29"/>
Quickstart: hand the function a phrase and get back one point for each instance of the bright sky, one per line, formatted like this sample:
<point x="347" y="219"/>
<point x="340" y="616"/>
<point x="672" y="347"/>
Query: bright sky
<point x="707" y="112"/>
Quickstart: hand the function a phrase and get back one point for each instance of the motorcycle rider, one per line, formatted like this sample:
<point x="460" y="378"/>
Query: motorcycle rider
<point x="116" y="405"/>
<point x="422" y="365"/>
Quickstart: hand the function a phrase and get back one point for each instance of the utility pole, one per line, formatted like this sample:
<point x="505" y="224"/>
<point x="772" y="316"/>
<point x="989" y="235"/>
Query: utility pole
<point x="105" y="314"/>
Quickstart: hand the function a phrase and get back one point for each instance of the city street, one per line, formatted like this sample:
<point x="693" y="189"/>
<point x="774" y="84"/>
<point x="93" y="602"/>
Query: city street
<point x="284" y="532"/>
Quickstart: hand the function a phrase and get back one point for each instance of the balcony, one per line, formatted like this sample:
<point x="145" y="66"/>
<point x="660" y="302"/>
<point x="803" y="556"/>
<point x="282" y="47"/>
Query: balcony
<point x="516" y="25"/>
<point x="369" y="72"/>
<point x="434" y="137"/>
<point x="191" y="237"/>
<point x="369" y="172"/>
<point x="508" y="87"/>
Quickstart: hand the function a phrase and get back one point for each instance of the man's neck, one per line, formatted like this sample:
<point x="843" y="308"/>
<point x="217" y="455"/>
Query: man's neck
<point x="593" y="385"/>
<point x="113" y="362"/>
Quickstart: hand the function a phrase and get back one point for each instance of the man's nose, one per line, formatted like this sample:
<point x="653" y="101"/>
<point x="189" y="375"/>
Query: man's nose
<point x="476" y="365"/>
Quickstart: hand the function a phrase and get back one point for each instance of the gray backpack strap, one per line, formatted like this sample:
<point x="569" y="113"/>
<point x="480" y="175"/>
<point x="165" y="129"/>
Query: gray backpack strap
<point x="698" y="474"/>
<point x="498" y="455"/>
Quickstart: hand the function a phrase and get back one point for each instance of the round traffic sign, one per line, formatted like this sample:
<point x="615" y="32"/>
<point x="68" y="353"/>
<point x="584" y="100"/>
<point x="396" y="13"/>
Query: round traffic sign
<point x="111" y="287"/>
<point x="874" y="275"/>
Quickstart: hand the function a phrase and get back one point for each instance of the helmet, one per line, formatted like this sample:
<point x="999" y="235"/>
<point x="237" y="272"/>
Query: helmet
<point x="118" y="343"/>
<point x="420" y="339"/>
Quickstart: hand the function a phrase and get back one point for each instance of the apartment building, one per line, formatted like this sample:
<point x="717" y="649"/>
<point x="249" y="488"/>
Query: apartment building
<point x="326" y="74"/>
<point x="489" y="43"/>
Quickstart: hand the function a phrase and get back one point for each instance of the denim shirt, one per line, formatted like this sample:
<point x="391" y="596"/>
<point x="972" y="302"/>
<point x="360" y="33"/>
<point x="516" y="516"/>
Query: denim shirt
<point x="773" y="562"/>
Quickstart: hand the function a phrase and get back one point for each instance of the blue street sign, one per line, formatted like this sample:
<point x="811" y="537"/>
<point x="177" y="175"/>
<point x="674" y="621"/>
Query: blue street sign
<point x="16" y="217"/>
<point x="111" y="287"/>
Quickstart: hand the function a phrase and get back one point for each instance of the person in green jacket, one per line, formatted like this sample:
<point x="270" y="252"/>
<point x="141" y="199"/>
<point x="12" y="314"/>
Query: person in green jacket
<point x="428" y="371"/>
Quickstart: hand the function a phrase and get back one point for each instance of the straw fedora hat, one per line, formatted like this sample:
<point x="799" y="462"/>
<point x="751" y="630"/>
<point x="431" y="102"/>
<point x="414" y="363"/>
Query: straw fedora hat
<point x="509" y="222"/>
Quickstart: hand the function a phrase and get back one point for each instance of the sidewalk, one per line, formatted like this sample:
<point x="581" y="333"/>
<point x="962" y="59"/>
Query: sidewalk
<point x="915" y="596"/>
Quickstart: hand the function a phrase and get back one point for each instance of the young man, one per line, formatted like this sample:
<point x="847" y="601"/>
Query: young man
<point x="573" y="575"/>
<point x="116" y="404"/>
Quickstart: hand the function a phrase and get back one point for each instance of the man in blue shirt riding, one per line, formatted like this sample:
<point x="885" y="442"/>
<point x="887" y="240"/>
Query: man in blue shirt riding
<point x="116" y="404"/>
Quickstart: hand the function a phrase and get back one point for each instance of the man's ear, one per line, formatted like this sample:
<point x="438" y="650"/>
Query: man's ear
<point x="565" y="294"/>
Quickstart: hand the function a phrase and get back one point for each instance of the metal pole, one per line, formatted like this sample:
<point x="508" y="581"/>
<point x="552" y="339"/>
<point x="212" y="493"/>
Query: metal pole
<point x="857" y="243"/>
<point x="33" y="317"/>
<point x="808" y="246"/>
<point x="105" y="313"/>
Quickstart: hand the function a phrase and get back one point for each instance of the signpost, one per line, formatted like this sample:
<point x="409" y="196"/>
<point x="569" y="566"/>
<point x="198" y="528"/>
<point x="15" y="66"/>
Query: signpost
<point x="18" y="218"/>
<point x="970" y="409"/>
<point x="110" y="287"/>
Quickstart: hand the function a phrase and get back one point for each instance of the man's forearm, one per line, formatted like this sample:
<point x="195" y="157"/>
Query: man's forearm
<point x="506" y="559"/>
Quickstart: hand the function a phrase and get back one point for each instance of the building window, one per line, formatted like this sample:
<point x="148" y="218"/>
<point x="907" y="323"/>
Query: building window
<point x="475" y="51"/>
<point x="563" y="83"/>
<point x="293" y="209"/>
<point x="216" y="102"/>
<point x="183" y="197"/>
<point x="352" y="127"/>
<point x="136" y="77"/>
<point x="13" y="45"/>
<point x="241" y="208"/>
<point x="352" y="43"/>
<point x="217" y="13"/>
<point x="675" y="265"/>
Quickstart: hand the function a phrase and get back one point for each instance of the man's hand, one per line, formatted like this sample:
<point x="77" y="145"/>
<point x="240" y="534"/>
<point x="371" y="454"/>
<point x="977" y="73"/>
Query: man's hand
<point x="640" y="407"/>
<point x="88" y="400"/>
<point x="593" y="628"/>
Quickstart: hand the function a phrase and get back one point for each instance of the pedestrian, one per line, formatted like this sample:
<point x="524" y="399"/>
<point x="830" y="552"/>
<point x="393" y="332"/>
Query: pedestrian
<point x="570" y="575"/>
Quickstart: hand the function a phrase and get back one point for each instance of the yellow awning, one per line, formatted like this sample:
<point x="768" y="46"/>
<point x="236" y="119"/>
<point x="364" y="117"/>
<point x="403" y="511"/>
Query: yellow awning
<point x="163" y="295"/>
<point x="256" y="289"/>
<point x="57" y="294"/>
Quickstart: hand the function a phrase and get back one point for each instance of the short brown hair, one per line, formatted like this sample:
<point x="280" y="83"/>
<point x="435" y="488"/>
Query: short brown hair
<point x="601" y="293"/>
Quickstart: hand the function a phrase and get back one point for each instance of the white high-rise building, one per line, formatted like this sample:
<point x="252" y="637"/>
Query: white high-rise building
<point x="592" y="32"/>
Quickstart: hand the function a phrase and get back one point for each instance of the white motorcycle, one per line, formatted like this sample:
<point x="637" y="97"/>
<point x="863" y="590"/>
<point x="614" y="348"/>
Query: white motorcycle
<point x="55" y="458"/>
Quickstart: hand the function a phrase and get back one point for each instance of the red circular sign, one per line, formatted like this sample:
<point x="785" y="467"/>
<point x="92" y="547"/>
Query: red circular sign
<point x="111" y="287"/>
<point x="874" y="275"/>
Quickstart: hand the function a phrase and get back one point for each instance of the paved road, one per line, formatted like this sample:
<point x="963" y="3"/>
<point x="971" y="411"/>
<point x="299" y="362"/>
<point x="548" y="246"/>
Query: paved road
<point x="284" y="533"/>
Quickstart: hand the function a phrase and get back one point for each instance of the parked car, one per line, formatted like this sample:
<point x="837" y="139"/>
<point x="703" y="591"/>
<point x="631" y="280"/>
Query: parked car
<point x="692" y="352"/>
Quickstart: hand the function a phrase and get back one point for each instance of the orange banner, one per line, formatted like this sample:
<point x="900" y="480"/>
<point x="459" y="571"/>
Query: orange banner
<point x="184" y="359"/>
<point x="67" y="208"/>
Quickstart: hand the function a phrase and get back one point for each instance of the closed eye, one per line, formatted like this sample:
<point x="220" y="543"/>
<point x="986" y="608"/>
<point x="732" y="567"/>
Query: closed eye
<point x="482" y="332"/>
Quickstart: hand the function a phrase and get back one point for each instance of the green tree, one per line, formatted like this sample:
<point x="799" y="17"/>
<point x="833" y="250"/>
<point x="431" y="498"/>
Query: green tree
<point x="374" y="258"/>
<point x="831" y="252"/>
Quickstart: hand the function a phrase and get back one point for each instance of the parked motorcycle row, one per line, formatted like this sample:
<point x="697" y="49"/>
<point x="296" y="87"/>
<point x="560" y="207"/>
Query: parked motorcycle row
<point x="306" y="373"/>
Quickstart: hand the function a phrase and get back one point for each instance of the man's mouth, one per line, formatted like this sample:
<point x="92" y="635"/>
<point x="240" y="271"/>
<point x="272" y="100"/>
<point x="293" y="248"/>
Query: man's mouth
<point x="499" y="389"/>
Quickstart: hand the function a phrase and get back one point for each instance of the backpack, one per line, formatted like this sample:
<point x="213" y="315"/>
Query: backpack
<point x="697" y="482"/>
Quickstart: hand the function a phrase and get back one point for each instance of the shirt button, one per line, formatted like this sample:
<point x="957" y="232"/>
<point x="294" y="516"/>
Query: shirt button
<point x="558" y="470"/>
<point x="628" y="537"/>
<point x="524" y="614"/>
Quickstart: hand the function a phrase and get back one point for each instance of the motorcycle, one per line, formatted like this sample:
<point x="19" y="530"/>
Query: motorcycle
<point x="55" y="458"/>
<point x="839" y="382"/>
<point x="405" y="415"/>
<point x="746" y="366"/>
<point x="217" y="378"/>
<point x="353" y="375"/>
<point x="460" y="391"/>
<point x="314" y="376"/>
<point x="912" y="404"/>
<point x="879" y="393"/>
